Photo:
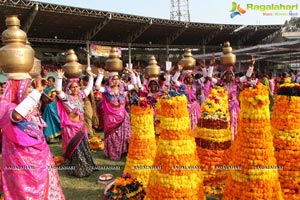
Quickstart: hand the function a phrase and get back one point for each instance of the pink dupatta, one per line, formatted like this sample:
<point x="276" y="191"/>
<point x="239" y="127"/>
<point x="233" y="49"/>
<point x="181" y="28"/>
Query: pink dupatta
<point x="113" y="118"/>
<point x="69" y="130"/>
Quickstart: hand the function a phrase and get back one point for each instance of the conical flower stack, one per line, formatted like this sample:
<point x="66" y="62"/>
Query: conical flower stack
<point x="142" y="145"/>
<point x="256" y="176"/>
<point x="213" y="138"/>
<point x="178" y="175"/>
<point x="286" y="133"/>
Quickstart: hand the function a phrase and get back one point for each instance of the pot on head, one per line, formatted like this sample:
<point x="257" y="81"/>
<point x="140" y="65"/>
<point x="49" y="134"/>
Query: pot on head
<point x="72" y="68"/>
<point x="15" y="55"/>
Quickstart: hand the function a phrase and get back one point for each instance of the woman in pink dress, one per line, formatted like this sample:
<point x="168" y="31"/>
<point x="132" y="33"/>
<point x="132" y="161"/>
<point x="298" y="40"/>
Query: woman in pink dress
<point x="70" y="108"/>
<point x="188" y="86"/>
<point x="28" y="169"/>
<point x="153" y="91"/>
<point x="117" y="130"/>
<point x="231" y="85"/>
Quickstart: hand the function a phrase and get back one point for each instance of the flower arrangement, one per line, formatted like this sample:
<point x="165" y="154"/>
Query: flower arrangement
<point x="177" y="174"/>
<point x="213" y="138"/>
<point x="289" y="89"/>
<point x="58" y="160"/>
<point x="286" y="129"/>
<point x="142" y="145"/>
<point x="96" y="143"/>
<point x="215" y="106"/>
<point x="125" y="187"/>
<point x="253" y="151"/>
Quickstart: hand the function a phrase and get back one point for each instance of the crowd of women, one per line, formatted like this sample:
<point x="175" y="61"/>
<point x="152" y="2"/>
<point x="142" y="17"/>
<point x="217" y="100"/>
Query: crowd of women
<point x="41" y="110"/>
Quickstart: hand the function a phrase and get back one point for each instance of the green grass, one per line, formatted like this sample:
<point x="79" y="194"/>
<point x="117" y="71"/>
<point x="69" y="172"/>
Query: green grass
<point x="87" y="188"/>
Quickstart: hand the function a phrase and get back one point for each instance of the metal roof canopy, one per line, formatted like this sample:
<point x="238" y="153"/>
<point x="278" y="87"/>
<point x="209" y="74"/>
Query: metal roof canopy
<point x="65" y="26"/>
<point x="276" y="53"/>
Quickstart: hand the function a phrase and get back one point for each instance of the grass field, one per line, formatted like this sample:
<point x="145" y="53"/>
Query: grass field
<point x="87" y="188"/>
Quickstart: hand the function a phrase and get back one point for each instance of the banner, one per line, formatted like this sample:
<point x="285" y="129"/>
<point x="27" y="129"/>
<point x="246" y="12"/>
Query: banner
<point x="98" y="50"/>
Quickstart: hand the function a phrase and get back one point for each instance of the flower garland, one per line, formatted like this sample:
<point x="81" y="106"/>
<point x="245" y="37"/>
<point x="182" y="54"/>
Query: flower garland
<point x="216" y="105"/>
<point x="125" y="187"/>
<point x="257" y="174"/>
<point x="289" y="89"/>
<point x="142" y="145"/>
<point x="286" y="132"/>
<point x="96" y="143"/>
<point x="176" y="173"/>
<point x="58" y="160"/>
<point x="213" y="138"/>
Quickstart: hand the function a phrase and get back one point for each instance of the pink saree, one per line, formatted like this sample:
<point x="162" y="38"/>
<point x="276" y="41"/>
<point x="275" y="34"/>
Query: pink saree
<point x="116" y="129"/>
<point x="69" y="128"/>
<point x="75" y="145"/>
<point x="28" y="169"/>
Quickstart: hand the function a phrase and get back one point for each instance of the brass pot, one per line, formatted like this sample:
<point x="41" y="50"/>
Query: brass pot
<point x="15" y="55"/>
<point x="72" y="68"/>
<point x="36" y="69"/>
<point x="228" y="58"/>
<point x="188" y="61"/>
<point x="114" y="63"/>
<point x="152" y="70"/>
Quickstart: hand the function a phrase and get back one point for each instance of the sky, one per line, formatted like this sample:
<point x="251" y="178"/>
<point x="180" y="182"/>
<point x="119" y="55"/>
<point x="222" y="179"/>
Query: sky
<point x="202" y="11"/>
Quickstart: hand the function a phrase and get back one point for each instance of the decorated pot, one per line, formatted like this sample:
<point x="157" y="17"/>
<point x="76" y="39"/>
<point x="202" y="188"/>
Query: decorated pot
<point x="152" y="70"/>
<point x="114" y="63"/>
<point x="228" y="58"/>
<point x="72" y="68"/>
<point x="188" y="61"/>
<point x="15" y="55"/>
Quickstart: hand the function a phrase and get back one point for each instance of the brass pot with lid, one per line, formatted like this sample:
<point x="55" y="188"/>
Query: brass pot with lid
<point x="228" y="58"/>
<point x="72" y="68"/>
<point x="15" y="55"/>
<point x="114" y="63"/>
<point x="152" y="70"/>
<point x="188" y="61"/>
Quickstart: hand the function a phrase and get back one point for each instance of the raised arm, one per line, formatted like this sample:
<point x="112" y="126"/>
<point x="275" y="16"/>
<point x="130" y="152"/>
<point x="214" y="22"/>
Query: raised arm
<point x="29" y="102"/>
<point x="168" y="78"/>
<point x="177" y="74"/>
<point x="58" y="84"/>
<point x="249" y="71"/>
<point x="99" y="79"/>
<point x="138" y="80"/>
<point x="133" y="79"/>
<point x="89" y="86"/>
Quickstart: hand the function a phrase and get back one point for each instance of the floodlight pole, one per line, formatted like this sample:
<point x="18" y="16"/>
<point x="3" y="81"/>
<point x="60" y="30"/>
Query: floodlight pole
<point x="168" y="52"/>
<point x="129" y="54"/>
<point x="88" y="55"/>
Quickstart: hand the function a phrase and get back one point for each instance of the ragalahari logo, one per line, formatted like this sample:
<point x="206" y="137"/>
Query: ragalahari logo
<point x="236" y="10"/>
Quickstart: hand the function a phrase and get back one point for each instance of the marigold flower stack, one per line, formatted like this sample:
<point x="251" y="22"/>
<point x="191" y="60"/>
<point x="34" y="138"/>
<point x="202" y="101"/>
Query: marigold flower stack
<point x="125" y="187"/>
<point x="286" y="133"/>
<point x="213" y="137"/>
<point x="253" y="151"/>
<point x="96" y="143"/>
<point x="177" y="174"/>
<point x="142" y="145"/>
